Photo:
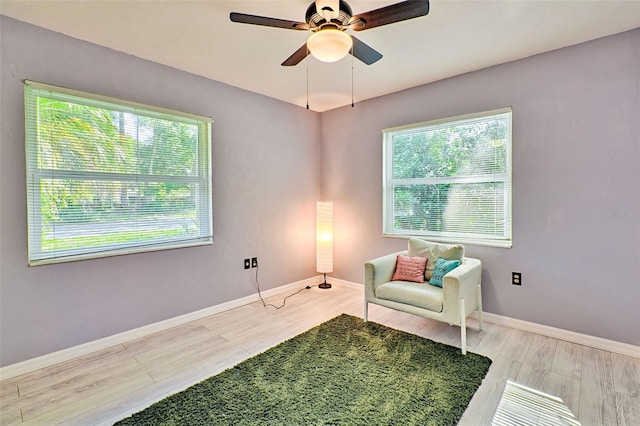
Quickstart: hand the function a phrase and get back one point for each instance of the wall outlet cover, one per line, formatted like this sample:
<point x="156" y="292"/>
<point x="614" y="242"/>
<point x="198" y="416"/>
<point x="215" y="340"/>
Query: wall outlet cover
<point x="516" y="278"/>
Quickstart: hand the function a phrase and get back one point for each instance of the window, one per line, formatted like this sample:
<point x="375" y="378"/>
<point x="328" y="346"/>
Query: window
<point x="450" y="180"/>
<point x="108" y="177"/>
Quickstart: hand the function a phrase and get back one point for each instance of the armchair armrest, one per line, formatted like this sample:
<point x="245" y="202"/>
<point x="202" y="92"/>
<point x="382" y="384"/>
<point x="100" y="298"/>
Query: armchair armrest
<point x="461" y="283"/>
<point x="379" y="271"/>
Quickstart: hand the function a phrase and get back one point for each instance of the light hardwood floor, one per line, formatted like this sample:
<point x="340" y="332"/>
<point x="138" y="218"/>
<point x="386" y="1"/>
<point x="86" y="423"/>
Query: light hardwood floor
<point x="600" y="388"/>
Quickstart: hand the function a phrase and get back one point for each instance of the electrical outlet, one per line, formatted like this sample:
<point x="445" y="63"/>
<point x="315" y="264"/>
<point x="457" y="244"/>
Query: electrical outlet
<point x="247" y="264"/>
<point x="516" y="278"/>
<point x="254" y="262"/>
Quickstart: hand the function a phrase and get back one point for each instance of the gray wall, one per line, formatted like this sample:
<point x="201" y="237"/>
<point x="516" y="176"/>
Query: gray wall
<point x="576" y="182"/>
<point x="266" y="180"/>
<point x="576" y="155"/>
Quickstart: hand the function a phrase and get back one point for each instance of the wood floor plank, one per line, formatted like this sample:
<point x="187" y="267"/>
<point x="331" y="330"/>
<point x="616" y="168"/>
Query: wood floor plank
<point x="565" y="388"/>
<point x="90" y="401"/>
<point x="626" y="374"/>
<point x="8" y="390"/>
<point x="493" y="340"/>
<point x="49" y="391"/>
<point x="10" y="416"/>
<point x="321" y="309"/>
<point x="179" y="348"/>
<point x="10" y="413"/>
<point x="192" y="356"/>
<point x="537" y="363"/>
<point x="9" y="396"/>
<point x="86" y="362"/>
<point x="296" y="306"/>
<point x="103" y="387"/>
<point x="568" y="360"/>
<point x="242" y="316"/>
<point x="517" y="345"/>
<point x="118" y="408"/>
<point x="122" y="382"/>
<point x="252" y="329"/>
<point x="597" y="393"/>
<point x="157" y="342"/>
<point x="627" y="409"/>
<point x="450" y="335"/>
<point x="70" y="378"/>
<point x="431" y="329"/>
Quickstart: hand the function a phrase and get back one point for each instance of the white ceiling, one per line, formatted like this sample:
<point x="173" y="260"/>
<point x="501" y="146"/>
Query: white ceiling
<point x="456" y="37"/>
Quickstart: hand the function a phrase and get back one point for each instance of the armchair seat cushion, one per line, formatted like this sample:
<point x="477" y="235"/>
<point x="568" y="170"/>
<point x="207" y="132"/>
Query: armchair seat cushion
<point x="422" y="295"/>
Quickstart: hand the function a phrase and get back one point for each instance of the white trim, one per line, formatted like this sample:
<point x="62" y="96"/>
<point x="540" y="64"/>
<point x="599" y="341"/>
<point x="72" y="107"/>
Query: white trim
<point x="121" y="104"/>
<point x="544" y="330"/>
<point x="449" y="120"/>
<point x="205" y="241"/>
<point x="53" y="358"/>
<point x="452" y="239"/>
<point x="566" y="335"/>
<point x="344" y="283"/>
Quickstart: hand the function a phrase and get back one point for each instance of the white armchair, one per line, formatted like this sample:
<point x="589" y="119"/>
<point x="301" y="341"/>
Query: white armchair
<point x="459" y="296"/>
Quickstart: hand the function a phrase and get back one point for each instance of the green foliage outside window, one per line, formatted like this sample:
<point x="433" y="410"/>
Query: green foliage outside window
<point x="449" y="179"/>
<point x="109" y="177"/>
<point x="85" y="138"/>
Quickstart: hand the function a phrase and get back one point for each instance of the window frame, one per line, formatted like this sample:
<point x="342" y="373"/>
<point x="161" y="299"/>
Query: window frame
<point x="388" y="183"/>
<point x="35" y="174"/>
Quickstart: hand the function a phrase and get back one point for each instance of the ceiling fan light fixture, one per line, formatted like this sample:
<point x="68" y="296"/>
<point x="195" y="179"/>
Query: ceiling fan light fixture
<point x="329" y="45"/>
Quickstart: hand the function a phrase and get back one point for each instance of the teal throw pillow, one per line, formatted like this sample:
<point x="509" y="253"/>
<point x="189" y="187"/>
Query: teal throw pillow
<point x="442" y="267"/>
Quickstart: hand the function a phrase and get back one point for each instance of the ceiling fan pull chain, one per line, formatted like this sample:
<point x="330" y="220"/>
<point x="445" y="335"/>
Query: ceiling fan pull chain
<point x="352" y="104"/>
<point x="307" y="78"/>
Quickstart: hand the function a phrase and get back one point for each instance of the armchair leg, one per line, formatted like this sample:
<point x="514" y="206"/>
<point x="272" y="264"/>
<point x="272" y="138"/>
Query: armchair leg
<point x="480" y="306"/>
<point x="366" y="310"/>
<point x="463" y="328"/>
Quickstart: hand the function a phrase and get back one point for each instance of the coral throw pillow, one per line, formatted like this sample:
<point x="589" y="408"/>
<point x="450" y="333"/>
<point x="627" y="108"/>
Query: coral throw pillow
<point x="410" y="269"/>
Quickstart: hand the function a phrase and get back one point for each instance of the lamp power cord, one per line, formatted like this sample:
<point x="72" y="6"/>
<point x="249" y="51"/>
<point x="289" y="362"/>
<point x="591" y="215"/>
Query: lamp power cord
<point x="284" y="301"/>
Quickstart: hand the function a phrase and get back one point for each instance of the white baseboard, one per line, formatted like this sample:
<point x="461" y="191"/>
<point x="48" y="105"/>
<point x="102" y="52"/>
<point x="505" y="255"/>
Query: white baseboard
<point x="545" y="330"/>
<point x="53" y="358"/>
<point x="50" y="359"/>
<point x="344" y="283"/>
<point x="561" y="334"/>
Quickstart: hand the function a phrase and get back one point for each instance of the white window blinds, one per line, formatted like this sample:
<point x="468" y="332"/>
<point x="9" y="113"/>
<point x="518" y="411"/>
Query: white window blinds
<point x="108" y="177"/>
<point x="450" y="179"/>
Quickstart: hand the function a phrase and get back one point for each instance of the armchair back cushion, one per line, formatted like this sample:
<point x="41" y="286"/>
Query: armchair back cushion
<point x="432" y="251"/>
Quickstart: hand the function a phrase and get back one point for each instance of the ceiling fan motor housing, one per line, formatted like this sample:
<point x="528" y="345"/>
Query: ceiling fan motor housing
<point x="316" y="20"/>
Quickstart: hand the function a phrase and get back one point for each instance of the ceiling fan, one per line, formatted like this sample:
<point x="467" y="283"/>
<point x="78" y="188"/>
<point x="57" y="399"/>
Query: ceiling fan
<point x="329" y="20"/>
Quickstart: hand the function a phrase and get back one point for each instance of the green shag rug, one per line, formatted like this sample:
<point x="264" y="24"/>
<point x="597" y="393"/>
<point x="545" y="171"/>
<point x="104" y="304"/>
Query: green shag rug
<point x="342" y="372"/>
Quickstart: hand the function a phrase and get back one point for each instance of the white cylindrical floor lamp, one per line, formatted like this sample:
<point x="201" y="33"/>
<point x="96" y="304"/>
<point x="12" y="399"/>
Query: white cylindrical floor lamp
<point x="324" y="240"/>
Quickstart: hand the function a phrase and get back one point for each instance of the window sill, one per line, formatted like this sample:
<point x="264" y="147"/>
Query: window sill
<point x="119" y="252"/>
<point x="453" y="240"/>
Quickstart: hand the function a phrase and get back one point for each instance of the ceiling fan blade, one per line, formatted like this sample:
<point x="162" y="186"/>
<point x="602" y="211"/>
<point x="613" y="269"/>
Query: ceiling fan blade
<point x="389" y="14"/>
<point x="244" y="18"/>
<point x="297" y="56"/>
<point x="364" y="52"/>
